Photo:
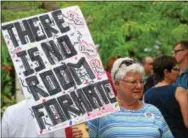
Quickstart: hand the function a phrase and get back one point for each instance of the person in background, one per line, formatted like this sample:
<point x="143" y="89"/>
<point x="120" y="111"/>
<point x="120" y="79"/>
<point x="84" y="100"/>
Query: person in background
<point x="148" y="66"/>
<point x="181" y="56"/>
<point x="18" y="122"/>
<point x="108" y="68"/>
<point x="149" y="82"/>
<point x="147" y="63"/>
<point x="171" y="100"/>
<point x="135" y="118"/>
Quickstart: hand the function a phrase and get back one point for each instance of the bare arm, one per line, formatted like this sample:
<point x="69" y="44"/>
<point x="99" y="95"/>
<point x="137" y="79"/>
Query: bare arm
<point x="182" y="98"/>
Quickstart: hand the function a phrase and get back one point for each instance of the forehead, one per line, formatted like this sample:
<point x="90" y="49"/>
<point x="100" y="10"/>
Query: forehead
<point x="148" y="59"/>
<point x="177" y="66"/>
<point x="136" y="75"/>
<point x="178" y="46"/>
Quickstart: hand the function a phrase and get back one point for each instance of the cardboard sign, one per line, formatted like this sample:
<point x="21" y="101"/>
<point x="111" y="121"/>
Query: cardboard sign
<point x="59" y="69"/>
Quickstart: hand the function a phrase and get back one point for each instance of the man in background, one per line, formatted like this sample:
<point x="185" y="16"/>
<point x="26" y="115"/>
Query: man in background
<point x="181" y="55"/>
<point x="148" y="66"/>
<point x="148" y="69"/>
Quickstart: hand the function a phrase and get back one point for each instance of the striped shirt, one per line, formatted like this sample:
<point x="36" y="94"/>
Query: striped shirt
<point x="147" y="122"/>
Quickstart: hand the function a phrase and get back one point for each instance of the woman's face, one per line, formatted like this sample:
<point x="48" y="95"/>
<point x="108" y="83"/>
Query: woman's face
<point x="173" y="74"/>
<point x="130" y="87"/>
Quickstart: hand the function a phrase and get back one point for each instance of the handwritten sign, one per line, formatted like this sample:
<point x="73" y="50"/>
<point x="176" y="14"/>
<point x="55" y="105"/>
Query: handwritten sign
<point x="59" y="69"/>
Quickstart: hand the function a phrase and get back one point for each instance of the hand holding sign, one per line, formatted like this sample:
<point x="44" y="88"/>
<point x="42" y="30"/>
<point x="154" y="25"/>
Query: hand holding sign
<point x="80" y="131"/>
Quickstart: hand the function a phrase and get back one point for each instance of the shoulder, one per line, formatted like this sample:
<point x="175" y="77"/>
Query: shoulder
<point x="17" y="109"/>
<point x="184" y="76"/>
<point x="171" y="89"/>
<point x="181" y="93"/>
<point x="14" y="112"/>
<point x="17" y="106"/>
<point x="149" y="106"/>
<point x="152" y="109"/>
<point x="180" y="89"/>
<point x="183" y="80"/>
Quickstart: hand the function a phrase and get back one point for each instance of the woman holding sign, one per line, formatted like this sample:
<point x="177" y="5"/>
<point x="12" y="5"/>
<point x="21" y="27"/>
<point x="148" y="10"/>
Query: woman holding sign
<point x="135" y="118"/>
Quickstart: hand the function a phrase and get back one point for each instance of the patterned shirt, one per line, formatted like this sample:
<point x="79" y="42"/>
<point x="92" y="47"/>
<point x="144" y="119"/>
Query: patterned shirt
<point x="146" y="122"/>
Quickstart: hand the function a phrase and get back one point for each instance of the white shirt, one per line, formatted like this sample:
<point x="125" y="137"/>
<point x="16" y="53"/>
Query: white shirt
<point x="17" y="122"/>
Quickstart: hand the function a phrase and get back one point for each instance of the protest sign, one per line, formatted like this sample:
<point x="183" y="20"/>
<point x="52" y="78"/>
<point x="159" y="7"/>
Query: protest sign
<point x="59" y="69"/>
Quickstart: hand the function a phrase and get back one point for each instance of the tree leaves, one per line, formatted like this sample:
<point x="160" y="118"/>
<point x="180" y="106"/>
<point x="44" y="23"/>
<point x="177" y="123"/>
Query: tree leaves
<point x="123" y="28"/>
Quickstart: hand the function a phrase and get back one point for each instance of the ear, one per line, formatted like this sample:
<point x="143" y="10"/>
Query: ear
<point x="186" y="51"/>
<point x="166" y="72"/>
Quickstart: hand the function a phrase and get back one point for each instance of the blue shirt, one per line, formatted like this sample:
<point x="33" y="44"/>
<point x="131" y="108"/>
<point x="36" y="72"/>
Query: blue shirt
<point x="146" y="122"/>
<point x="164" y="99"/>
<point x="183" y="80"/>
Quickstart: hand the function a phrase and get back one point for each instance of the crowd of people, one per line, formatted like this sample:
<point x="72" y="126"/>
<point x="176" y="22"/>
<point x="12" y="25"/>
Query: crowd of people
<point x="171" y="100"/>
<point x="152" y="95"/>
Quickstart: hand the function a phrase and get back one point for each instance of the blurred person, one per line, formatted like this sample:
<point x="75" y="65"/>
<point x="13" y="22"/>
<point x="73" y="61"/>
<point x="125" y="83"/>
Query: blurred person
<point x="147" y="63"/>
<point x="181" y="56"/>
<point x="171" y="100"/>
<point x="108" y="68"/>
<point x="135" y="118"/>
<point x="149" y="82"/>
<point x="18" y="122"/>
<point x="148" y="66"/>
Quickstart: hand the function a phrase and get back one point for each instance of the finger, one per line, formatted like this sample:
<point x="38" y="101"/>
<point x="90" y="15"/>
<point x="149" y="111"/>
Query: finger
<point x="77" y="135"/>
<point x="87" y="129"/>
<point x="77" y="132"/>
<point x="75" y="129"/>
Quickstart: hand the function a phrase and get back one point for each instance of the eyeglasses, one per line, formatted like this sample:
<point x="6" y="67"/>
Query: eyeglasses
<point x="176" y="69"/>
<point x="178" y="50"/>
<point x="151" y="63"/>
<point x="134" y="82"/>
<point x="126" y="62"/>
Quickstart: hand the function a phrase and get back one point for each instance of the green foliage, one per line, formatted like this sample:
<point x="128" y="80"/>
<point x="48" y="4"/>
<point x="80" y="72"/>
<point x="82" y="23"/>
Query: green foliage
<point x="7" y="86"/>
<point x="141" y="27"/>
<point x="7" y="80"/>
<point x="10" y="15"/>
<point x="120" y="28"/>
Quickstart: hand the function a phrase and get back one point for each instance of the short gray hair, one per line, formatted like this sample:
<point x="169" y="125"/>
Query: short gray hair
<point x="119" y="70"/>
